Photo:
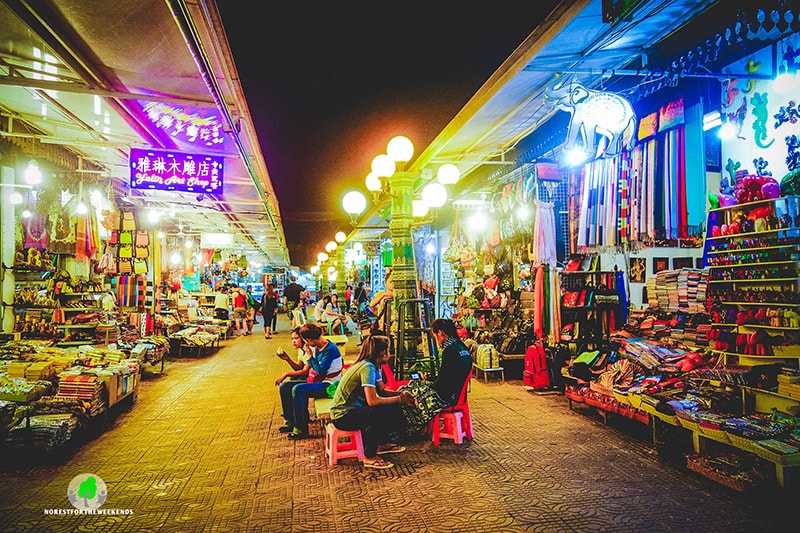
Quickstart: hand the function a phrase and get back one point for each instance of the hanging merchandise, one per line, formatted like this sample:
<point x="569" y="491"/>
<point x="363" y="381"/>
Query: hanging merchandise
<point x="543" y="249"/>
<point x="452" y="254"/>
<point x="36" y="232"/>
<point x="62" y="233"/>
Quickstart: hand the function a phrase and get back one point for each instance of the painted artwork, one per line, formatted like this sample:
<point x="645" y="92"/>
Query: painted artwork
<point x="660" y="263"/>
<point x="682" y="262"/>
<point x="638" y="267"/>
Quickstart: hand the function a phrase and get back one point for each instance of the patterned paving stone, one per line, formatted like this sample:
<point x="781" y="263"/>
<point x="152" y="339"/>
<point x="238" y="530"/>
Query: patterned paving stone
<point x="200" y="451"/>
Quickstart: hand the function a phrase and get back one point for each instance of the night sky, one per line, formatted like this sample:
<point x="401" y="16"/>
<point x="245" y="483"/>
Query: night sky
<point x="328" y="85"/>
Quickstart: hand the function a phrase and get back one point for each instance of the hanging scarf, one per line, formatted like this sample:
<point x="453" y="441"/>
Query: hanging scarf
<point x="538" y="298"/>
<point x="544" y="234"/>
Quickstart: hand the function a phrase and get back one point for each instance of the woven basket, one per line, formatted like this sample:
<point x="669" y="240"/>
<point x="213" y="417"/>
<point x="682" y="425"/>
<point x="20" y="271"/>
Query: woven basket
<point x="735" y="484"/>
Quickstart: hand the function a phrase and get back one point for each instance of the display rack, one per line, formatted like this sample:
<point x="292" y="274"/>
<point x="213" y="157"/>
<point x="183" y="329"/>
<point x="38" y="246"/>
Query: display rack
<point x="754" y="282"/>
<point x="589" y="316"/>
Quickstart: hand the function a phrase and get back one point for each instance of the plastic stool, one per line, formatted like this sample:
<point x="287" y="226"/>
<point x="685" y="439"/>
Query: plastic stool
<point x="340" y="444"/>
<point x="449" y="425"/>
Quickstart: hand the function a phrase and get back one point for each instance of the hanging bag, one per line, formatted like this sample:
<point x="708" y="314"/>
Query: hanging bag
<point x="128" y="221"/>
<point x="139" y="266"/>
<point x="142" y="238"/>
<point x="452" y="253"/>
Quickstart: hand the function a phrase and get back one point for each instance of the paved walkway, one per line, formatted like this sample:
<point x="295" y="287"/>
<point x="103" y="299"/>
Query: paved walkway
<point x="200" y="451"/>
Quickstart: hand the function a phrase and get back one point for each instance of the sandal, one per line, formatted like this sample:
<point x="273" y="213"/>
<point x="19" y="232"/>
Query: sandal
<point x="380" y="464"/>
<point x="393" y="449"/>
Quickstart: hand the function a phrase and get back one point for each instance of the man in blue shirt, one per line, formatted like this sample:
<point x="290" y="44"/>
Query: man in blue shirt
<point x="326" y="368"/>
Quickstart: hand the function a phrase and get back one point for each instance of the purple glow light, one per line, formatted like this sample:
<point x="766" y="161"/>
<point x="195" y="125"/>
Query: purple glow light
<point x="175" y="171"/>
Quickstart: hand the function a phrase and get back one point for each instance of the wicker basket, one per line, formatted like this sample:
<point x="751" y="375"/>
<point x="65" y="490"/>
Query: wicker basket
<point x="693" y="463"/>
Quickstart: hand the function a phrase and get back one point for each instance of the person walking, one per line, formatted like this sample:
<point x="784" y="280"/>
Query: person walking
<point x="269" y="309"/>
<point x="240" y="310"/>
<point x="360" y="297"/>
<point x="348" y="297"/>
<point x="291" y="298"/>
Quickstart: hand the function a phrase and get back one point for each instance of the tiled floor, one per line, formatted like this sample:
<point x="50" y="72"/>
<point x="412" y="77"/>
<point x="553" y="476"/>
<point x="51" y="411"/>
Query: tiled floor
<point x="200" y="451"/>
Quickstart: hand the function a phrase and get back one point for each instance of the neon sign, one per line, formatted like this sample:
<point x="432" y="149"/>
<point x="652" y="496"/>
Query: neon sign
<point x="181" y="123"/>
<point x="175" y="171"/>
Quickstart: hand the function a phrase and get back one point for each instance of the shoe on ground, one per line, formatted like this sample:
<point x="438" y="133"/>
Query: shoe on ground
<point x="380" y="464"/>
<point x="296" y="434"/>
<point x="286" y="428"/>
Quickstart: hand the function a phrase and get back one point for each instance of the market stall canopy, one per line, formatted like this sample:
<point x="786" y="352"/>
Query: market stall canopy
<point x="100" y="78"/>
<point x="648" y="45"/>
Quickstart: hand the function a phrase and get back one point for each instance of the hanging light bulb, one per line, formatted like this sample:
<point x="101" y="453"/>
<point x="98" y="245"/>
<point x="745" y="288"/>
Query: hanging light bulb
<point x="419" y="208"/>
<point x="81" y="208"/>
<point x="33" y="176"/>
<point x="15" y="198"/>
<point x="27" y="214"/>
<point x="340" y="236"/>
<point x="175" y="258"/>
<point x="448" y="174"/>
<point x="434" y="194"/>
<point x="153" y="215"/>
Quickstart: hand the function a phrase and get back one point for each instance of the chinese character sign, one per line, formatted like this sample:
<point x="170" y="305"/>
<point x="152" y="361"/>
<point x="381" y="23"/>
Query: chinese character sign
<point x="175" y="171"/>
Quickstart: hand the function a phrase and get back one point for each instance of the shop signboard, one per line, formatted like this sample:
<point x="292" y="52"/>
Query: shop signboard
<point x="175" y="171"/>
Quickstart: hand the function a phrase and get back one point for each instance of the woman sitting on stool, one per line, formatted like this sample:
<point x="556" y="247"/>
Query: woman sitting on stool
<point x="362" y="402"/>
<point x="333" y="317"/>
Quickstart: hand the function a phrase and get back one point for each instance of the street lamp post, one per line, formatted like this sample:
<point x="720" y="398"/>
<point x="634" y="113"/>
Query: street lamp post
<point x="401" y="183"/>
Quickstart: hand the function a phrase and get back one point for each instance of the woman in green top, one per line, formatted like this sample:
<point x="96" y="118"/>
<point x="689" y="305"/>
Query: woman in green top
<point x="362" y="402"/>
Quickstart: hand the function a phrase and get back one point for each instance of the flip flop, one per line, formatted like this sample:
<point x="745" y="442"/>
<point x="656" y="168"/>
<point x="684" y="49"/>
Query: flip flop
<point x="393" y="449"/>
<point x="380" y="464"/>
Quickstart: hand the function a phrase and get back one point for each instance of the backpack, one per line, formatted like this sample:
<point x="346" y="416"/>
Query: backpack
<point x="487" y="356"/>
<point x="535" y="374"/>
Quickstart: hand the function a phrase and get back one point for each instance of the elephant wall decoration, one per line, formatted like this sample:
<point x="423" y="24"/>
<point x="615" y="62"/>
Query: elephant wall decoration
<point x="603" y="122"/>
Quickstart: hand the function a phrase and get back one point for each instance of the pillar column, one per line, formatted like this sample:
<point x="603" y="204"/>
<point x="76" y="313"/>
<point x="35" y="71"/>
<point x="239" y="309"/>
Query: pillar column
<point x="341" y="279"/>
<point x="404" y="276"/>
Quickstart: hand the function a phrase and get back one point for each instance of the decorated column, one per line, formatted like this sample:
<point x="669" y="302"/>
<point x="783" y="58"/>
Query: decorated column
<point x="403" y="269"/>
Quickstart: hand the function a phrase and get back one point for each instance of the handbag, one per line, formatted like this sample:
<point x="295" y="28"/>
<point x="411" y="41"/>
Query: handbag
<point x="452" y="253"/>
<point x="125" y="266"/>
<point x="128" y="221"/>
<point x="142" y="238"/>
<point x="139" y="266"/>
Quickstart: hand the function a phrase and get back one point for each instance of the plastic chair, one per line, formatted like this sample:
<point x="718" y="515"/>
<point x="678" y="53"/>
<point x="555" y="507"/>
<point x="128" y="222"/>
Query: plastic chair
<point x="299" y="317"/>
<point x="389" y="381"/>
<point x="340" y="444"/>
<point x="454" y="422"/>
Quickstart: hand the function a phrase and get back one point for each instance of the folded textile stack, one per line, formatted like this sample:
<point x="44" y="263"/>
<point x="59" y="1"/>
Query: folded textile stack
<point x="43" y="370"/>
<point x="45" y="432"/>
<point x="652" y="295"/>
<point x="84" y="387"/>
<point x="17" y="369"/>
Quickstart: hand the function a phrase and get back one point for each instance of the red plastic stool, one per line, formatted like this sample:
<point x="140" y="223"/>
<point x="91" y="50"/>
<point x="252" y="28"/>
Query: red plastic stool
<point x="340" y="444"/>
